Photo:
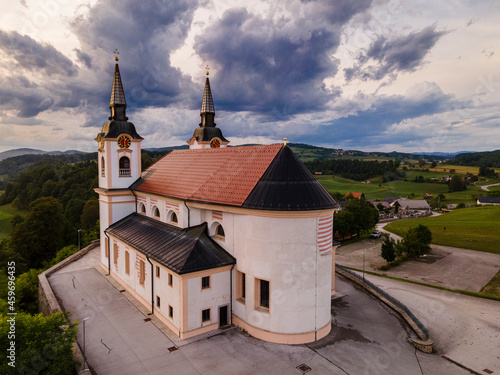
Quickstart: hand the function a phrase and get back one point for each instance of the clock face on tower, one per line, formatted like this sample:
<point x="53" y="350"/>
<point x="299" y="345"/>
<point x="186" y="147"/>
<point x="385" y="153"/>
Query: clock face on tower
<point x="214" y="143"/>
<point x="124" y="141"/>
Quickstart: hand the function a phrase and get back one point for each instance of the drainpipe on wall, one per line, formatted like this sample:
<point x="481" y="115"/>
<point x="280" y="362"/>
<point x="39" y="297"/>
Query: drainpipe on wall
<point x="189" y="215"/>
<point x="152" y="287"/>
<point x="231" y="296"/>
<point x="135" y="197"/>
<point x="109" y="253"/>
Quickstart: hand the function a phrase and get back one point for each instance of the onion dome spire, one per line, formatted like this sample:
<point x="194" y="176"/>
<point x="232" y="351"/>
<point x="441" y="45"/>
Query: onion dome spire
<point x="207" y="112"/>
<point x="117" y="103"/>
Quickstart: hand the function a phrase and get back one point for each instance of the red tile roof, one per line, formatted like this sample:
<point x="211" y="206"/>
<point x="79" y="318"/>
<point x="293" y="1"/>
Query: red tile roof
<point x="224" y="175"/>
<point x="354" y="195"/>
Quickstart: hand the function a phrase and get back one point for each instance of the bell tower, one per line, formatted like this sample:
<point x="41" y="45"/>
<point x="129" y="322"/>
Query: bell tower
<point x="207" y="135"/>
<point x="119" y="145"/>
<point x="119" y="161"/>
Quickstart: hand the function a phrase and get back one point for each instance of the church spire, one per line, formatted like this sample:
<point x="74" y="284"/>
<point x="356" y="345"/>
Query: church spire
<point x="117" y="103"/>
<point x="207" y="112"/>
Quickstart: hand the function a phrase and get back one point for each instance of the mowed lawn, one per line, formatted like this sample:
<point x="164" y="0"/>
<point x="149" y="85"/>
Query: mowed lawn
<point x="476" y="228"/>
<point x="393" y="189"/>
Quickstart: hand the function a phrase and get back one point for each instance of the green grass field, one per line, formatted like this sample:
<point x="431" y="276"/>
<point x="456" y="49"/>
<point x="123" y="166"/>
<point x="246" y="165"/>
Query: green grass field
<point x="6" y="214"/>
<point x="476" y="228"/>
<point x="493" y="287"/>
<point x="397" y="189"/>
<point x="459" y="169"/>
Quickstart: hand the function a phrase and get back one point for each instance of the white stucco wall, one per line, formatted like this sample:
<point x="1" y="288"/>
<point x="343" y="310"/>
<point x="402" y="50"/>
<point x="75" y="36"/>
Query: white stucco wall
<point x="283" y="251"/>
<point x="112" y="153"/>
<point x="200" y="299"/>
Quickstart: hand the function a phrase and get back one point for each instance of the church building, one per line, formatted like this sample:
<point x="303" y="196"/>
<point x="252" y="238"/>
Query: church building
<point x="215" y="235"/>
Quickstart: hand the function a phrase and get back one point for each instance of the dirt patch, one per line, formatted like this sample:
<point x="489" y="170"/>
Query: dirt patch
<point x="430" y="258"/>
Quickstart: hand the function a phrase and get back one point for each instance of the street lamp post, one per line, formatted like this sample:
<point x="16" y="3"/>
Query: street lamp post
<point x="84" y="358"/>
<point x="363" y="267"/>
<point x="79" y="230"/>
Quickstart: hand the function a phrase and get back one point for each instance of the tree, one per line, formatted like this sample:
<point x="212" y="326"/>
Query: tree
<point x="43" y="344"/>
<point x="344" y="223"/>
<point x="40" y="236"/>
<point x="456" y="183"/>
<point x="90" y="214"/>
<point x="365" y="214"/>
<point x="417" y="240"/>
<point x="388" y="249"/>
<point x="146" y="160"/>
<point x="421" y="163"/>
<point x="396" y="207"/>
<point x="433" y="164"/>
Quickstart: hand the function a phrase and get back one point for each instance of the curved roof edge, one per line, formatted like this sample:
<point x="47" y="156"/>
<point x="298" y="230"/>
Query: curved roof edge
<point x="287" y="185"/>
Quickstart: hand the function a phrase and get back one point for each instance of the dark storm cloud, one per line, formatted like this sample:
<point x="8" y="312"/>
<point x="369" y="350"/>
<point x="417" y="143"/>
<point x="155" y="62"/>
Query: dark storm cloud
<point x="27" y="97"/>
<point x="391" y="56"/>
<point x="34" y="56"/>
<point x="273" y="66"/>
<point x="370" y="127"/>
<point x="83" y="57"/>
<point x="145" y="33"/>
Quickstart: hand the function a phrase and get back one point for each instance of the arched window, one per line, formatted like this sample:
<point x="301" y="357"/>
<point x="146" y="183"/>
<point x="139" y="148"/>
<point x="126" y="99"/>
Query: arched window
<point x="103" y="167"/>
<point x="219" y="231"/>
<point x="125" y="166"/>
<point x="156" y="212"/>
<point x="173" y="218"/>
<point x="142" y="208"/>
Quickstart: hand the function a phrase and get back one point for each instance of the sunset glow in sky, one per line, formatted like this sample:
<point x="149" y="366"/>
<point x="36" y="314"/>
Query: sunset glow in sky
<point x="389" y="75"/>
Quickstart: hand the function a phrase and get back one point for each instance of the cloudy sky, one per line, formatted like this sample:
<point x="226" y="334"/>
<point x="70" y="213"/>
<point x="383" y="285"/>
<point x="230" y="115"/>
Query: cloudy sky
<point x="418" y="76"/>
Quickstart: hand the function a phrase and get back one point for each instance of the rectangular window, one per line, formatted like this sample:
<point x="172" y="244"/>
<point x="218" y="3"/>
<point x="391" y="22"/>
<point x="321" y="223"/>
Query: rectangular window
<point x="205" y="282"/>
<point x="115" y="254"/>
<point x="170" y="312"/>
<point x="262" y="293"/>
<point x="142" y="272"/>
<point x="158" y="304"/>
<point x="106" y="249"/>
<point x="157" y="272"/>
<point x="127" y="263"/>
<point x="240" y="287"/>
<point x="205" y="315"/>
<point x="170" y="279"/>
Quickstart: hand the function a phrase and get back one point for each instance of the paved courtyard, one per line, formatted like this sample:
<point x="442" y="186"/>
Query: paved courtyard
<point x="366" y="337"/>
<point x="444" y="266"/>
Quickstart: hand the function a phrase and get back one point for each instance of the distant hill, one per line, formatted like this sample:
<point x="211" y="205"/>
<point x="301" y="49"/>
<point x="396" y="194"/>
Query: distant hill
<point x="489" y="159"/>
<point x="14" y="165"/>
<point x="30" y="151"/>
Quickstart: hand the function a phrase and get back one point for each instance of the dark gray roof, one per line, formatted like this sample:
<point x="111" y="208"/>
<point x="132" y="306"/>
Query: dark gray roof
<point x="489" y="199"/>
<point x="181" y="250"/>
<point x="113" y="129"/>
<point x="287" y="185"/>
<point x="206" y="133"/>
<point x="390" y="199"/>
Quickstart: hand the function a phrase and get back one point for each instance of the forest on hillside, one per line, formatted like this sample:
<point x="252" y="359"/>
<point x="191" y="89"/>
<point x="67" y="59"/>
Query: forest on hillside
<point x="357" y="170"/>
<point x="489" y="159"/>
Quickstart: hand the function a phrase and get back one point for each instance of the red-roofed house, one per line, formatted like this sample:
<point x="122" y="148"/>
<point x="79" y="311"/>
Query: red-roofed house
<point x="354" y="195"/>
<point x="213" y="235"/>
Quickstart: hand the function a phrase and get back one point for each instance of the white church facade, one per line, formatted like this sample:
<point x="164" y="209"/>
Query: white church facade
<point x="216" y="235"/>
